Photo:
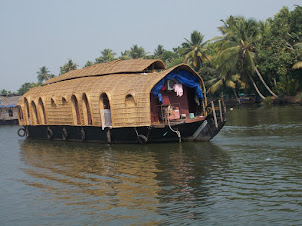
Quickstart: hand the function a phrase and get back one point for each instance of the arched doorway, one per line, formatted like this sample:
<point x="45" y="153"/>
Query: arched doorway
<point x="20" y="115"/>
<point x="105" y="111"/>
<point x="35" y="113"/>
<point x="86" y="110"/>
<point x="75" y="110"/>
<point x="42" y="111"/>
<point x="27" y="115"/>
<point x="104" y="101"/>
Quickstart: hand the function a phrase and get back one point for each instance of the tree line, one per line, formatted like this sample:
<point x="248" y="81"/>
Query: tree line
<point x="250" y="56"/>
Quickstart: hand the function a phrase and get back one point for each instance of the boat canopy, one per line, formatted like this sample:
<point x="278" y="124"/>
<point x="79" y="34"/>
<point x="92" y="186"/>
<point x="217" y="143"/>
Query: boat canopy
<point x="182" y="76"/>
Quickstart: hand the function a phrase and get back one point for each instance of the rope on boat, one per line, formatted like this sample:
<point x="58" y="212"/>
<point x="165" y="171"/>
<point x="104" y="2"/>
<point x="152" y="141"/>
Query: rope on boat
<point x="141" y="138"/>
<point x="64" y="134"/>
<point x="175" y="131"/>
<point x="49" y="133"/>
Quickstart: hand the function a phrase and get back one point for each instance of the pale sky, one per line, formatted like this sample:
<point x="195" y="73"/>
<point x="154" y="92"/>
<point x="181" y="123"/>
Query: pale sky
<point x="36" y="33"/>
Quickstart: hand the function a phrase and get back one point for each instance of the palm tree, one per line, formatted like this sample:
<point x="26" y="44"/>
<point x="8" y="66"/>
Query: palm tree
<point x="227" y="76"/>
<point x="194" y="50"/>
<point x="125" y="55"/>
<point x="137" y="52"/>
<point x="227" y="80"/>
<point x="43" y="74"/>
<point x="88" y="63"/>
<point x="107" y="56"/>
<point x="69" y="66"/>
<point x="238" y="49"/>
<point x="159" y="51"/>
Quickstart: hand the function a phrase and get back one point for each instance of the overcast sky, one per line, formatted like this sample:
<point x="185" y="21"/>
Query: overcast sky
<point x="36" y="33"/>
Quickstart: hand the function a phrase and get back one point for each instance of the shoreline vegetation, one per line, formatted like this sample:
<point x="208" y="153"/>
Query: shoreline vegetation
<point x="252" y="57"/>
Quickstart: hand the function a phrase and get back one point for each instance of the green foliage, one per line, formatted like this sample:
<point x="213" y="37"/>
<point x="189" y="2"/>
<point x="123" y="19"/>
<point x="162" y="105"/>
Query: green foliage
<point x="70" y="65"/>
<point x="174" y="61"/>
<point x="26" y="87"/>
<point x="107" y="56"/>
<point x="298" y="46"/>
<point x="279" y="53"/>
<point x="171" y="59"/>
<point x="194" y="50"/>
<point x="89" y="63"/>
<point x="288" y="85"/>
<point x="267" y="101"/>
<point x="43" y="75"/>
<point x="235" y="56"/>
<point x="159" y="51"/>
<point x="5" y="92"/>
<point x="125" y="55"/>
<point x="137" y="52"/>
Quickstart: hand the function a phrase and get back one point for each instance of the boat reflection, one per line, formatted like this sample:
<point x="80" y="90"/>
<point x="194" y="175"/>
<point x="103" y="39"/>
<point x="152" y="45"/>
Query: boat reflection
<point x="121" y="179"/>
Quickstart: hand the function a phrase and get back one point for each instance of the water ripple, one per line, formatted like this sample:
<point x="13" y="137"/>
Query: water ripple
<point x="249" y="174"/>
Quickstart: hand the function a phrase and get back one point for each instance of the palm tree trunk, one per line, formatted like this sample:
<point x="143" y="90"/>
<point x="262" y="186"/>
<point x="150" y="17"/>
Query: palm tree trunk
<point x="256" y="88"/>
<point x="264" y="83"/>
<point x="236" y="95"/>
<point x="275" y="83"/>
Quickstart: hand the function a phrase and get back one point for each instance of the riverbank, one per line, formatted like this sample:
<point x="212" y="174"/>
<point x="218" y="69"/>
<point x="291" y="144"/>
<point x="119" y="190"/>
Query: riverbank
<point x="272" y="100"/>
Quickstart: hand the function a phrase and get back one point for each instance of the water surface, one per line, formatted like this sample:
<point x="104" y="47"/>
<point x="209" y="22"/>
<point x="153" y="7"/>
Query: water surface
<point x="250" y="173"/>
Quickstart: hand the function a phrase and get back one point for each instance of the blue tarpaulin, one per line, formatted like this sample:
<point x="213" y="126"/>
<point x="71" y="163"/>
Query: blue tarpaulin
<point x="8" y="106"/>
<point x="183" y="77"/>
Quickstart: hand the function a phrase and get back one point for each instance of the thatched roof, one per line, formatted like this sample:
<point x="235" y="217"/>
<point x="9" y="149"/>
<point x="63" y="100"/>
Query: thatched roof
<point x="115" y="86"/>
<point x="7" y="102"/>
<point x="114" y="67"/>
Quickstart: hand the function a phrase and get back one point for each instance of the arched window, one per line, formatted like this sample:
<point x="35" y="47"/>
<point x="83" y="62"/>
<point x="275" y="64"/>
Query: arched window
<point x="27" y="110"/>
<point x="42" y="111"/>
<point x="75" y="110"/>
<point x="20" y="113"/>
<point x="64" y="101"/>
<point x="53" y="103"/>
<point x="35" y="113"/>
<point x="86" y="110"/>
<point x="104" y="102"/>
<point x="129" y="101"/>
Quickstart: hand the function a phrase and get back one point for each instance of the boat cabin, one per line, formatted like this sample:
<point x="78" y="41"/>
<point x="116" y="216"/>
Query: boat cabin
<point x="121" y="93"/>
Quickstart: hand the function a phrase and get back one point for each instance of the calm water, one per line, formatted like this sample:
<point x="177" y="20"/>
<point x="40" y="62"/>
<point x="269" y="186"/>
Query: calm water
<point x="251" y="173"/>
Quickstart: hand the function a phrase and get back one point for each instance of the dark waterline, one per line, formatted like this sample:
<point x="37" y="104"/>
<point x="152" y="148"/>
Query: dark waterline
<point x="249" y="174"/>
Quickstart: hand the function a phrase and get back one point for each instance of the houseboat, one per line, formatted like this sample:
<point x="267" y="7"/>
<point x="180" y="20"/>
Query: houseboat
<point x="123" y="101"/>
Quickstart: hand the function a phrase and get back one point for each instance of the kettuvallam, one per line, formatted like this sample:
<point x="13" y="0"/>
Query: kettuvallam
<point x="123" y="101"/>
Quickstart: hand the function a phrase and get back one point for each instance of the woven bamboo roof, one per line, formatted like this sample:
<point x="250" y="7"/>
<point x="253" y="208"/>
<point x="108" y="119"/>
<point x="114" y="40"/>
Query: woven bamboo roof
<point x="115" y="86"/>
<point x="114" y="67"/>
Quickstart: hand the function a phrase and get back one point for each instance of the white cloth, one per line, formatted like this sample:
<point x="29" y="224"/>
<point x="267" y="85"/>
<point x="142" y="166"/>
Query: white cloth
<point x="178" y="89"/>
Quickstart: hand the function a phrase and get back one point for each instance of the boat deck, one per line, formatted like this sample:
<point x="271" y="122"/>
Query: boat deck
<point x="178" y="122"/>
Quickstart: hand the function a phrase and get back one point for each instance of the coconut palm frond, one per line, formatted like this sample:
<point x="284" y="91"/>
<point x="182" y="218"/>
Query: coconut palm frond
<point x="297" y="65"/>
<point x="194" y="50"/>
<point x="230" y="83"/>
<point x="213" y="89"/>
<point x="211" y="81"/>
<point x="298" y="45"/>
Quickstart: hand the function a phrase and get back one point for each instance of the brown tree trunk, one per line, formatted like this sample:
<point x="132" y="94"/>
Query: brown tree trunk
<point x="256" y="88"/>
<point x="264" y="83"/>
<point x="236" y="95"/>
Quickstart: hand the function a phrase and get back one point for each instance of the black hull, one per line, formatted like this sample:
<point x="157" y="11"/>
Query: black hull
<point x="196" y="131"/>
